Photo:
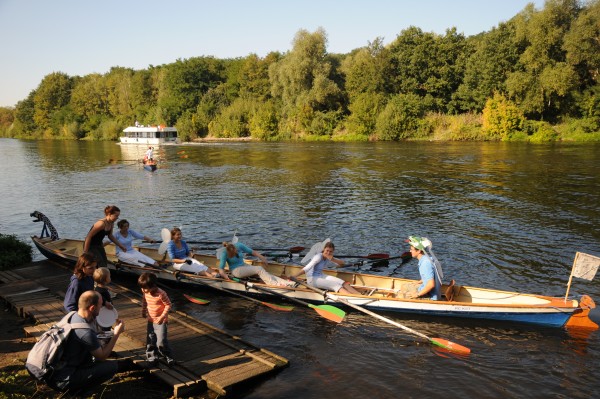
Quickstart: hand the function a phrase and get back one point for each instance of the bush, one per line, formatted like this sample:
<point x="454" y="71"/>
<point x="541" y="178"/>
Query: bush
<point x="501" y="119"/>
<point x="233" y="121"/>
<point x="13" y="252"/>
<point x="401" y="118"/>
<point x="461" y="127"/>
<point x="264" y="122"/>
<point x="542" y="132"/>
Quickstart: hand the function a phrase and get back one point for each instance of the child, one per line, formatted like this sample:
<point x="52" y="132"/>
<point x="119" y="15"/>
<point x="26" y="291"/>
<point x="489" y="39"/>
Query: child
<point x="102" y="279"/>
<point x="81" y="280"/>
<point x="155" y="308"/>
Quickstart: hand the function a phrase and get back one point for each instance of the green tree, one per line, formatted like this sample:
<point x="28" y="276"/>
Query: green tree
<point x="144" y="94"/>
<point x="495" y="55"/>
<point x="89" y="98"/>
<point x="543" y="79"/>
<point x="53" y="93"/>
<point x="7" y="118"/>
<point x="264" y="121"/>
<point x="234" y="120"/>
<point x="582" y="44"/>
<point x="367" y="70"/>
<point x="210" y="106"/>
<point x="119" y="87"/>
<point x="303" y="80"/>
<point x="364" y="110"/>
<point x="428" y="65"/>
<point x="254" y="76"/>
<point x="24" y="111"/>
<point x="184" y="83"/>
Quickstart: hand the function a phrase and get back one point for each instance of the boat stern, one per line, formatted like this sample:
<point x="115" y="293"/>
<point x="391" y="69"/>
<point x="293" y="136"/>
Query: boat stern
<point x="580" y="318"/>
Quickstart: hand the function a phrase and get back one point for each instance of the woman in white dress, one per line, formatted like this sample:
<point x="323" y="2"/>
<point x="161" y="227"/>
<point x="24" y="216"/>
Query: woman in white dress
<point x="125" y="236"/>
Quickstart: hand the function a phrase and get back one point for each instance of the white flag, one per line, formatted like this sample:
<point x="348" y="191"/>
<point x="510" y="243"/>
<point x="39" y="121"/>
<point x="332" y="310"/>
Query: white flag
<point x="585" y="266"/>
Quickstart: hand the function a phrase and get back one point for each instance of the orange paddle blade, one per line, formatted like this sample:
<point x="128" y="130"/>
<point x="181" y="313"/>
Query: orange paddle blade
<point x="193" y="299"/>
<point x="283" y="308"/>
<point x="329" y="312"/>
<point x="451" y="346"/>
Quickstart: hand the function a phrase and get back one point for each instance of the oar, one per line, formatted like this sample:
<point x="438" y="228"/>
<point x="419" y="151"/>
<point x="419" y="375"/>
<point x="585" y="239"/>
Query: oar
<point x="204" y="242"/>
<point x="122" y="160"/>
<point x="292" y="250"/>
<point x="327" y="311"/>
<point x="405" y="258"/>
<point x="283" y="308"/>
<point x="369" y="256"/>
<point x="197" y="300"/>
<point x="443" y="343"/>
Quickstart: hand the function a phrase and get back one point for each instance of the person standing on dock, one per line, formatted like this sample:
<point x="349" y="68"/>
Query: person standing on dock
<point x="103" y="228"/>
<point x="155" y="309"/>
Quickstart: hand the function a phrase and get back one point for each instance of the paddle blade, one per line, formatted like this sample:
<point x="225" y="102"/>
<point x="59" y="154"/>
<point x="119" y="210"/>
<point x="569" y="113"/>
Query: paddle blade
<point x="329" y="312"/>
<point x="163" y="247"/>
<point x="165" y="234"/>
<point x="193" y="299"/>
<point x="283" y="308"/>
<point x="315" y="249"/>
<point x="451" y="346"/>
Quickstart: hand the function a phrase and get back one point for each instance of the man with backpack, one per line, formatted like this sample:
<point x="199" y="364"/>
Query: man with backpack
<point x="82" y="366"/>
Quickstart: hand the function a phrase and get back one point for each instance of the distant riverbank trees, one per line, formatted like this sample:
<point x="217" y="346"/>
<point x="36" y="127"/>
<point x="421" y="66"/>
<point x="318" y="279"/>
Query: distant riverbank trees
<point x="534" y="77"/>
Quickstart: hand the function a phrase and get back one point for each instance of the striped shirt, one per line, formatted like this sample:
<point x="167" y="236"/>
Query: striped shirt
<point x="156" y="305"/>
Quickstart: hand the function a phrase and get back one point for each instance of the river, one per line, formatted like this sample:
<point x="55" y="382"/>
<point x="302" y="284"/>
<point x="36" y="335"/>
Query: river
<point x="501" y="215"/>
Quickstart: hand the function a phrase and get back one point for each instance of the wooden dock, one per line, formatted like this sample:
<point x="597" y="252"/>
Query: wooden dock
<point x="207" y="357"/>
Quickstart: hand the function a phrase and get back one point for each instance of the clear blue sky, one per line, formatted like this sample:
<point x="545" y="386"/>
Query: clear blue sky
<point x="79" y="37"/>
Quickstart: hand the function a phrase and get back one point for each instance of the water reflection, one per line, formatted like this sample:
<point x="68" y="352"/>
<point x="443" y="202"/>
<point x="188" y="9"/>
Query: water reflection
<point x="502" y="215"/>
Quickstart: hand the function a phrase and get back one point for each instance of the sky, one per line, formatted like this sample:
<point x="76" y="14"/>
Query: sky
<point x="79" y="37"/>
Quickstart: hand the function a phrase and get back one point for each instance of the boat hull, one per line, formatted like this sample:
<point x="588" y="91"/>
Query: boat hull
<point x="380" y="291"/>
<point x="150" y="168"/>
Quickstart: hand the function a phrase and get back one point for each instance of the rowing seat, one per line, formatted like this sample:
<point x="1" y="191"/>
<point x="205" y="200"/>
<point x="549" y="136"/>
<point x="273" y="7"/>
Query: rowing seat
<point x="449" y="293"/>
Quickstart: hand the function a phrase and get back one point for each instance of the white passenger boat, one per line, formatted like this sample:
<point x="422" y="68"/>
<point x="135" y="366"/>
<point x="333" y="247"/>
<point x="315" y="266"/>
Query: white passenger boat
<point x="150" y="135"/>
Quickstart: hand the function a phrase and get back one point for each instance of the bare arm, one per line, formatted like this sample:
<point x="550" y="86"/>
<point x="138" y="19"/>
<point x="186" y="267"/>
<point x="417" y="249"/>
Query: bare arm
<point x="261" y="257"/>
<point x="427" y="289"/>
<point x="103" y="352"/>
<point x="99" y="225"/>
<point x="116" y="242"/>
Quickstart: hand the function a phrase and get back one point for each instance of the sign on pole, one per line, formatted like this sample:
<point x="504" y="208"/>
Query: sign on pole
<point x="585" y="266"/>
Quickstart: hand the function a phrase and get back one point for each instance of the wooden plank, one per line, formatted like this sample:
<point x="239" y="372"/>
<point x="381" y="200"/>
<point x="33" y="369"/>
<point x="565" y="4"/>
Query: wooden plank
<point x="199" y="348"/>
<point x="18" y="286"/>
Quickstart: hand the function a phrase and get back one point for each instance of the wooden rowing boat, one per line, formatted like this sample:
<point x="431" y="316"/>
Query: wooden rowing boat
<point x="379" y="292"/>
<point x="150" y="166"/>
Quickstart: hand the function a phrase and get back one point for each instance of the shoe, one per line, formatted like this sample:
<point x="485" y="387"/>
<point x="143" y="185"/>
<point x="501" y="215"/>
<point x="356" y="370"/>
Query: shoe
<point x="170" y="361"/>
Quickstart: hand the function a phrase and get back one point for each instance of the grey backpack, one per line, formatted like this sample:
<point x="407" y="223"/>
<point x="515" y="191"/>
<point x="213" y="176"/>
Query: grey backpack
<point x="46" y="355"/>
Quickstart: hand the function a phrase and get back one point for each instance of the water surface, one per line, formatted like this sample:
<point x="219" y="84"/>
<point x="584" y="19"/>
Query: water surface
<point x="503" y="215"/>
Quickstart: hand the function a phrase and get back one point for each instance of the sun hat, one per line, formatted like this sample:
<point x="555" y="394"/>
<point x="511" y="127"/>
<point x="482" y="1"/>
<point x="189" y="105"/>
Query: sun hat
<point x="418" y="242"/>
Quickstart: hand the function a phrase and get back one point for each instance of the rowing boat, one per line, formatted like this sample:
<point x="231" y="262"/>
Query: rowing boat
<point x="150" y="167"/>
<point x="379" y="293"/>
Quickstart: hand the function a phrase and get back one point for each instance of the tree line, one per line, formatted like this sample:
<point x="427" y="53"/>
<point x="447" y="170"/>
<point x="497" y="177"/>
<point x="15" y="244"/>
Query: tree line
<point x="533" y="77"/>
